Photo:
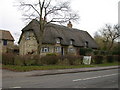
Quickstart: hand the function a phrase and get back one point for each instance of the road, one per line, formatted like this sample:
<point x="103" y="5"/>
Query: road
<point x="93" y="79"/>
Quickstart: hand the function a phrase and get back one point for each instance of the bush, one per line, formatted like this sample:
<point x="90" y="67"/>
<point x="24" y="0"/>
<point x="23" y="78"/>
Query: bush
<point x="98" y="59"/>
<point x="26" y="60"/>
<point x="85" y="51"/>
<point x="49" y="60"/>
<point x="110" y="59"/>
<point x="19" y="60"/>
<point x="95" y="52"/>
<point x="71" y="60"/>
<point x="51" y="54"/>
<point x="116" y="58"/>
<point x="8" y="58"/>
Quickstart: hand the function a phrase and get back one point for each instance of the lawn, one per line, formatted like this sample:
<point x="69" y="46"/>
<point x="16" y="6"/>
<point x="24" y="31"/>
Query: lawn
<point x="51" y="67"/>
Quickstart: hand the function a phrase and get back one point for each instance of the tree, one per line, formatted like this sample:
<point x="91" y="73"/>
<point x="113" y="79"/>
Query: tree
<point x="99" y="39"/>
<point x="108" y="35"/>
<point x="47" y="11"/>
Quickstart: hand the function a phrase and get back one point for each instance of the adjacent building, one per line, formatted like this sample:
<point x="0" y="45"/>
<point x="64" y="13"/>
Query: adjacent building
<point x="6" y="41"/>
<point x="57" y="39"/>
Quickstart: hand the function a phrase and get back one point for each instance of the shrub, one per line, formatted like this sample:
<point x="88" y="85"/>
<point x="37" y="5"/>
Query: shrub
<point x="49" y="60"/>
<point x="116" y="58"/>
<point x="110" y="59"/>
<point x="26" y="60"/>
<point x="8" y="58"/>
<point x="71" y="60"/>
<point x="84" y="51"/>
<point x="63" y="61"/>
<point x="95" y="52"/>
<point x="98" y="59"/>
<point x="19" y="60"/>
<point x="78" y="60"/>
<point x="51" y="54"/>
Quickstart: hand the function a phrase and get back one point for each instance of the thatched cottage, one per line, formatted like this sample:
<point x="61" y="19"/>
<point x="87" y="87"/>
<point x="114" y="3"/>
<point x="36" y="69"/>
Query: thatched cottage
<point x="57" y="39"/>
<point x="6" y="41"/>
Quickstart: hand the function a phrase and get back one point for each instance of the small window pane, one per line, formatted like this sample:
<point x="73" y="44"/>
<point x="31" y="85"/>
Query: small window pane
<point x="45" y="49"/>
<point x="86" y="44"/>
<point x="71" y="42"/>
<point x="27" y="35"/>
<point x="58" y="49"/>
<point x="71" y="50"/>
<point x="5" y="42"/>
<point x="58" y="41"/>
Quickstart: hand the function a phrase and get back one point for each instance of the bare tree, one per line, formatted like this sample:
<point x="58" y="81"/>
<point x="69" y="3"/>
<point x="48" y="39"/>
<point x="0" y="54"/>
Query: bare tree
<point x="46" y="11"/>
<point x="110" y="34"/>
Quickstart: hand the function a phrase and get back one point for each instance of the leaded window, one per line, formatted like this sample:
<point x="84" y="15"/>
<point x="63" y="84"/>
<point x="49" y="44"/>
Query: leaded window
<point x="45" y="49"/>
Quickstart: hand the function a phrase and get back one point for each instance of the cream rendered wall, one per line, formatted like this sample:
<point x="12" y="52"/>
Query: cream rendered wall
<point x="26" y="46"/>
<point x="3" y="48"/>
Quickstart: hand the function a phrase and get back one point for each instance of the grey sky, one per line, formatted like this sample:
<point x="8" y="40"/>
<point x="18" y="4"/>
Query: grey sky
<point x="94" y="14"/>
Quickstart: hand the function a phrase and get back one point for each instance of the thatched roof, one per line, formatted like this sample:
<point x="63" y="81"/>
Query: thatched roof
<point x="6" y="35"/>
<point x="53" y="31"/>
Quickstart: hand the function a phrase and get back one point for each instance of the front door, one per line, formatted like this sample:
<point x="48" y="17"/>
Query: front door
<point x="62" y="51"/>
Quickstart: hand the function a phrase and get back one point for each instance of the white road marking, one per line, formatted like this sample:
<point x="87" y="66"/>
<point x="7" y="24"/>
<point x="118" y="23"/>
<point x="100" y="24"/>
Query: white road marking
<point x="94" y="77"/>
<point x="15" y="87"/>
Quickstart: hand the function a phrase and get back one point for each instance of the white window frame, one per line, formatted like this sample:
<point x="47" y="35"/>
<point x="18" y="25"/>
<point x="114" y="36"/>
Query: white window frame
<point x="45" y="49"/>
<point x="71" y="50"/>
<point x="58" y="49"/>
<point x="71" y="42"/>
<point x="58" y="41"/>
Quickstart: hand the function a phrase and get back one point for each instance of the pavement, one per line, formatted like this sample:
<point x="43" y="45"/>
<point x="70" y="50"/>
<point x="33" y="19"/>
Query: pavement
<point x="12" y="74"/>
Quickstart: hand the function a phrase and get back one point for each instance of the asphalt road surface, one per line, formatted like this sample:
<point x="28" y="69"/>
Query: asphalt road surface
<point x="94" y="79"/>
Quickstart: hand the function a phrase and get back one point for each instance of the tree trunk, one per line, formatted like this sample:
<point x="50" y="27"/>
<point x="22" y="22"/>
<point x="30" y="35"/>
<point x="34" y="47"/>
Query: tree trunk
<point x="40" y="43"/>
<point x="111" y="45"/>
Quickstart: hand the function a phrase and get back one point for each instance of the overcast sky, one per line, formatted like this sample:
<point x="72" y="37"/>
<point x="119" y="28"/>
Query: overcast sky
<point x="94" y="14"/>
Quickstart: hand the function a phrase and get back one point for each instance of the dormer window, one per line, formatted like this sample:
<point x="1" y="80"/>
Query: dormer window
<point x="58" y="40"/>
<point x="27" y="36"/>
<point x="71" y="42"/>
<point x="86" y="44"/>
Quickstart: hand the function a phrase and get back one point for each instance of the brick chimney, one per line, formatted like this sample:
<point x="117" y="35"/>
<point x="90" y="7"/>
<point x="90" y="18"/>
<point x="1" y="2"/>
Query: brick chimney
<point x="69" y="24"/>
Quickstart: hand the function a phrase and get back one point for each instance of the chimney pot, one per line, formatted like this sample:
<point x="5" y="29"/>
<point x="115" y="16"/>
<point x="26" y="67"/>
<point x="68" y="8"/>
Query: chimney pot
<point x="69" y="24"/>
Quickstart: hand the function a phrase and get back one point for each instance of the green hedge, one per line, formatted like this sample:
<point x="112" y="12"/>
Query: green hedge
<point x="110" y="59"/>
<point x="98" y="59"/>
<point x="8" y="58"/>
<point x="30" y="60"/>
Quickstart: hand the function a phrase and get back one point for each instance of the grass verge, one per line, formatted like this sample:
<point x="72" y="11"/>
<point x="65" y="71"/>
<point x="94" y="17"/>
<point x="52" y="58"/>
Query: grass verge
<point x="51" y="67"/>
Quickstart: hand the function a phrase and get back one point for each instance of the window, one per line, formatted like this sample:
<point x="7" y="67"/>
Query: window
<point x="27" y="35"/>
<point x="58" y="49"/>
<point x="45" y="49"/>
<point x="71" y="50"/>
<point x="71" y="42"/>
<point x="4" y="42"/>
<point x="58" y="40"/>
<point x="86" y="44"/>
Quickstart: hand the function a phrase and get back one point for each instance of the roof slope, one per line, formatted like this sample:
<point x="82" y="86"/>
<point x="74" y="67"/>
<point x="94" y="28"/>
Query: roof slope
<point x="6" y="35"/>
<point x="53" y="31"/>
